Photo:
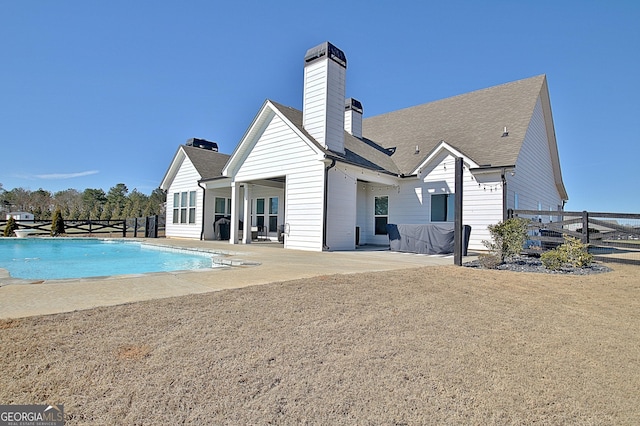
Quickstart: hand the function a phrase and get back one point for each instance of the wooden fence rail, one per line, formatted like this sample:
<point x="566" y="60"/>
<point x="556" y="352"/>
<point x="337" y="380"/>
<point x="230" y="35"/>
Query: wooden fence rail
<point x="141" y="227"/>
<point x="611" y="237"/>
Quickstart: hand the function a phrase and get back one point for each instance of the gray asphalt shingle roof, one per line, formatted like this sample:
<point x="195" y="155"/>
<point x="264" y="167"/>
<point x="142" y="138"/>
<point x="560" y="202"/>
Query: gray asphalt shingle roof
<point x="208" y="163"/>
<point x="472" y="122"/>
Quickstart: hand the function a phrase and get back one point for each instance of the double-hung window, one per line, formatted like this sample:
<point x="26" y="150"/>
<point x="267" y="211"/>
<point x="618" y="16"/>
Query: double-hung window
<point x="184" y="207"/>
<point x="381" y="214"/>
<point x="443" y="207"/>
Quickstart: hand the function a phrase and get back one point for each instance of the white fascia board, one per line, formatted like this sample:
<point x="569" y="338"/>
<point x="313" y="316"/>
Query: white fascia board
<point x="258" y="126"/>
<point x="217" y="183"/>
<point x="241" y="151"/>
<point x="551" y="137"/>
<point x="176" y="163"/>
<point x="367" y="175"/>
<point x="443" y="146"/>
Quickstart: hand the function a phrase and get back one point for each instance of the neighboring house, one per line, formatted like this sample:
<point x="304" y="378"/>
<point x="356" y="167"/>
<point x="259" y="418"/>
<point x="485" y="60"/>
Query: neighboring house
<point x="328" y="179"/>
<point x="21" y="216"/>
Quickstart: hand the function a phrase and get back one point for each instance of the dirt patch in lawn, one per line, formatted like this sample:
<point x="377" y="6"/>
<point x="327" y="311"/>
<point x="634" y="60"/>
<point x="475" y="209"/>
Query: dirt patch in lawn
<point x="435" y="345"/>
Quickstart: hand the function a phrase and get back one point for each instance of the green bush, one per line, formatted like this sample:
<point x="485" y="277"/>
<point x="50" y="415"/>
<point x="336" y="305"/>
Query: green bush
<point x="57" y="223"/>
<point x="508" y="238"/>
<point x="10" y="227"/>
<point x="573" y="252"/>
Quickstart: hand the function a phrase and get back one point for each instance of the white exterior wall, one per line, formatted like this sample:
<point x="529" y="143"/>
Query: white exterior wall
<point x="279" y="151"/>
<point x="341" y="208"/>
<point x="534" y="181"/>
<point x="323" y="103"/>
<point x="410" y="201"/>
<point x="353" y="122"/>
<point x="362" y="218"/>
<point x="186" y="180"/>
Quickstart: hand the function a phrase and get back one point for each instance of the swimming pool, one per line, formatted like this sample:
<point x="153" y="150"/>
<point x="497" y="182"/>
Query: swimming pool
<point x="62" y="258"/>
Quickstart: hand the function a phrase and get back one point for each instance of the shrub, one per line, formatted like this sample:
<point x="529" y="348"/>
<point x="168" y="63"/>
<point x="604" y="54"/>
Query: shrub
<point x="553" y="259"/>
<point x="508" y="237"/>
<point x="57" y="223"/>
<point x="573" y="252"/>
<point x="489" y="261"/>
<point x="10" y="227"/>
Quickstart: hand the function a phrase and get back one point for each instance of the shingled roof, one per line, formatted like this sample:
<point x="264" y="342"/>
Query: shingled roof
<point x="357" y="151"/>
<point x="473" y="123"/>
<point x="209" y="164"/>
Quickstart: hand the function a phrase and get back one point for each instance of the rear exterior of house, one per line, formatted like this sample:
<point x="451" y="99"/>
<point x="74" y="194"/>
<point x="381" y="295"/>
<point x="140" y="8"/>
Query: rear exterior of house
<point x="324" y="178"/>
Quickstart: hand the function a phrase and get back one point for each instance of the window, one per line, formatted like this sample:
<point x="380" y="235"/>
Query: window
<point x="260" y="213"/>
<point x="184" y="207"/>
<point x="222" y="208"/>
<point x="443" y="207"/>
<point x="381" y="214"/>
<point x="267" y="214"/>
<point x="273" y="214"/>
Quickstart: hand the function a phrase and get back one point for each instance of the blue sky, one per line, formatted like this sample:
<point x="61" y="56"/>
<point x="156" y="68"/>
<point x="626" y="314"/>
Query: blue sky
<point x="97" y="93"/>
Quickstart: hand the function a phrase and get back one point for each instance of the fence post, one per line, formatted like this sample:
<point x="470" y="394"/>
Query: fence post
<point x="89" y="226"/>
<point x="585" y="227"/>
<point x="509" y="213"/>
<point x="124" y="228"/>
<point x="155" y="226"/>
<point x="135" y="227"/>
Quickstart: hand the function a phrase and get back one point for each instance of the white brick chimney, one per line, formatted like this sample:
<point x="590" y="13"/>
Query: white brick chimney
<point x="353" y="117"/>
<point x="325" y="72"/>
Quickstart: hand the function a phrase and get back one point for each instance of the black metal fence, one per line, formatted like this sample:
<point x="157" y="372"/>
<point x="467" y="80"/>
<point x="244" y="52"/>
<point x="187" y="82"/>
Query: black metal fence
<point x="611" y="237"/>
<point x="142" y="227"/>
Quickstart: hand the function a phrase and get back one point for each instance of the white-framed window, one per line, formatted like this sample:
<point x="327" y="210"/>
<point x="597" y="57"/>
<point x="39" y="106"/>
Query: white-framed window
<point x="381" y="214"/>
<point x="443" y="207"/>
<point x="222" y="208"/>
<point x="273" y="214"/>
<point x="267" y="214"/>
<point x="260" y="213"/>
<point x="184" y="207"/>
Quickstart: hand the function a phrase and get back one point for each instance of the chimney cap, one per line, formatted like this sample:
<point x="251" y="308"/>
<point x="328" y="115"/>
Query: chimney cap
<point x="202" y="143"/>
<point x="326" y="49"/>
<point x="353" y="104"/>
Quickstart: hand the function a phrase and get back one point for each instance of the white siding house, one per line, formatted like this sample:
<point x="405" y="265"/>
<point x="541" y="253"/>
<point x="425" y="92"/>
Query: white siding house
<point x="324" y="178"/>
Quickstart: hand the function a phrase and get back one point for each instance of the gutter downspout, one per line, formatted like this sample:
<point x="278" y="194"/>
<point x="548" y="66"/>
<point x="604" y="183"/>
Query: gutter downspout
<point x="326" y="193"/>
<point x="204" y="196"/>
<point x="504" y="195"/>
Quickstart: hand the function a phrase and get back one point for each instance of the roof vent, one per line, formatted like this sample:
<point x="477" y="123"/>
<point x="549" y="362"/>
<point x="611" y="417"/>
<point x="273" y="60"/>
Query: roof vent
<point x="417" y="150"/>
<point x="505" y="133"/>
<point x="202" y="143"/>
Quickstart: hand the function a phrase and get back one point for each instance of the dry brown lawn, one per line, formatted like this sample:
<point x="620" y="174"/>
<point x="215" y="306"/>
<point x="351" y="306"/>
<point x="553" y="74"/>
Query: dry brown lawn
<point x="438" y="345"/>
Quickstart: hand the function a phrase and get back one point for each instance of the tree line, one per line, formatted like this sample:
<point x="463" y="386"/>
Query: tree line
<point x="93" y="204"/>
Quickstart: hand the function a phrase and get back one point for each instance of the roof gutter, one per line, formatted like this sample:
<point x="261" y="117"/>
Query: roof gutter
<point x="489" y="168"/>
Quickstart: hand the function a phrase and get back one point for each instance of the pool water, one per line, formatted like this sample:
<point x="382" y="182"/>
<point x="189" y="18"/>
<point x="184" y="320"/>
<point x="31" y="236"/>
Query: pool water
<point x="61" y="258"/>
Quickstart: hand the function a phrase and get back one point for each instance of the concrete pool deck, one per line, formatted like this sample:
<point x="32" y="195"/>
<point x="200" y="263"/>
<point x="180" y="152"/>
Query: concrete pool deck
<point x="254" y="264"/>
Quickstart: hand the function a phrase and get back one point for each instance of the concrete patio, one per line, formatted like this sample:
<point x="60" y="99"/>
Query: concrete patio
<point x="254" y="264"/>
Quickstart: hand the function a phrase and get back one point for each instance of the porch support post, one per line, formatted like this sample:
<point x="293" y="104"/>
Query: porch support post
<point x="458" y="227"/>
<point x="246" y="233"/>
<point x="234" y="231"/>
